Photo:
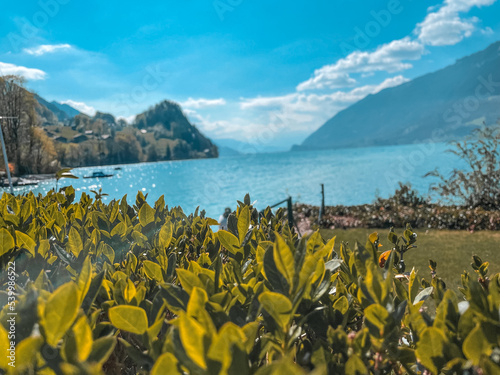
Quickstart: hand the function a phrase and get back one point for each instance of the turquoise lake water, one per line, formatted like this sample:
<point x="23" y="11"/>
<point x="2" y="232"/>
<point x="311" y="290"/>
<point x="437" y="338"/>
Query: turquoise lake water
<point x="351" y="176"/>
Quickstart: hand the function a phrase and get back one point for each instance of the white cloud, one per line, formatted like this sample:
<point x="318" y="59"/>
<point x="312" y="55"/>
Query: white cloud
<point x="297" y="113"/>
<point x="324" y="79"/>
<point x="202" y="103"/>
<point x="82" y="107"/>
<point x="28" y="73"/>
<point x="444" y="26"/>
<point x="390" y="57"/>
<point x="314" y="102"/>
<point x="46" y="48"/>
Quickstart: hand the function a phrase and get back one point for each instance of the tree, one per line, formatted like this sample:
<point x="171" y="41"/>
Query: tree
<point x="479" y="184"/>
<point x="42" y="151"/>
<point x="18" y="103"/>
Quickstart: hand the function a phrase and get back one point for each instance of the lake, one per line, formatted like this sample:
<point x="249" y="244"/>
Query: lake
<point x="350" y="176"/>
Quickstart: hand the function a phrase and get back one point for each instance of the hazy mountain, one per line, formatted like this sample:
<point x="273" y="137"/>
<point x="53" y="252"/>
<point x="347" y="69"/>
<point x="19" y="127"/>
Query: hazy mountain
<point x="69" y="110"/>
<point x="59" y="114"/>
<point x="240" y="147"/>
<point x="452" y="100"/>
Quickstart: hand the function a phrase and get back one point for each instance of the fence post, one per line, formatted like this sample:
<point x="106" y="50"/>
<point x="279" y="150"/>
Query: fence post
<point x="322" y="208"/>
<point x="290" y="211"/>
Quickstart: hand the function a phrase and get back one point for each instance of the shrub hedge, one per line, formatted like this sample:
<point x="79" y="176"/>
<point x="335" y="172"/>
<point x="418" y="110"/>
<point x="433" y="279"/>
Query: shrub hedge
<point x="122" y="289"/>
<point x="405" y="206"/>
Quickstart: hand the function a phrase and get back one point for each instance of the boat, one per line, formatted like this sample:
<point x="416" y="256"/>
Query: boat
<point x="98" y="174"/>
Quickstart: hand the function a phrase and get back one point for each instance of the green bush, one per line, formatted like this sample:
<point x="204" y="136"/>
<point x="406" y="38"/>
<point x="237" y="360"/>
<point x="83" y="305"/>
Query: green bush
<point x="120" y="289"/>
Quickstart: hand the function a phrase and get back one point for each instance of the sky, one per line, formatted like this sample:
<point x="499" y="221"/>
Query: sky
<point x="262" y="72"/>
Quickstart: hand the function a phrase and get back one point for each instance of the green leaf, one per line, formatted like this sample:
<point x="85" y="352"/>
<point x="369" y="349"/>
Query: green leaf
<point x="379" y="318"/>
<point x="6" y="241"/>
<point x="413" y="286"/>
<point x="75" y="244"/>
<point x="146" y="215"/>
<point x="243" y="223"/>
<point x="129" y="318"/>
<point x="4" y="347"/>
<point x="282" y="367"/>
<point x="284" y="259"/>
<point x="166" y="364"/>
<point x="355" y="366"/>
<point x="278" y="306"/>
<point x="153" y="270"/>
<point x="193" y="338"/>
<point x="430" y="349"/>
<point x="102" y="349"/>
<point x="176" y="298"/>
<point x="229" y="241"/>
<point x="25" y="242"/>
<point x="85" y="278"/>
<point x="188" y="280"/>
<point x="480" y="342"/>
<point x="119" y="229"/>
<point x="60" y="312"/>
<point x="166" y="233"/>
<point x="78" y="344"/>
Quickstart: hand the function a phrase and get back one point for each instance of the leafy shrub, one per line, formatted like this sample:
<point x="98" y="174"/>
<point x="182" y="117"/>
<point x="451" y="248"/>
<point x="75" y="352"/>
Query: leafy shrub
<point x="479" y="186"/>
<point x="405" y="206"/>
<point x="120" y="289"/>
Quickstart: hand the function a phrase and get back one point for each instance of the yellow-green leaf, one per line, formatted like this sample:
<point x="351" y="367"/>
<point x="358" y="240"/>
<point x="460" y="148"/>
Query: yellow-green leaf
<point x="193" y="340"/>
<point x="74" y="242"/>
<point x="153" y="270"/>
<point x="146" y="215"/>
<point x="188" y="280"/>
<point x="102" y="349"/>
<point x="284" y="259"/>
<point x="430" y="349"/>
<point x="60" y="312"/>
<point x="243" y="223"/>
<point x="229" y="241"/>
<point x="355" y="366"/>
<point x="26" y="352"/>
<point x="166" y="234"/>
<point x="25" y="242"/>
<point x="278" y="306"/>
<point x="78" y="344"/>
<point x="85" y="278"/>
<point x="4" y="348"/>
<point x="166" y="364"/>
<point x="480" y="341"/>
<point x="6" y="241"/>
<point x="129" y="318"/>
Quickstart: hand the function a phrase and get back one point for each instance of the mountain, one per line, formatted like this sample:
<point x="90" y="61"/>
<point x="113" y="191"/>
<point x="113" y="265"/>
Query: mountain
<point x="167" y="121"/>
<point x="238" y="147"/>
<point x="452" y="100"/>
<point x="70" y="111"/>
<point x="62" y="112"/>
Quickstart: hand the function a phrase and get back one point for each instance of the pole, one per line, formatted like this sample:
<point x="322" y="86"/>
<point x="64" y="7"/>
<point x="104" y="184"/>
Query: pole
<point x="322" y="208"/>
<point x="290" y="211"/>
<point x="6" y="160"/>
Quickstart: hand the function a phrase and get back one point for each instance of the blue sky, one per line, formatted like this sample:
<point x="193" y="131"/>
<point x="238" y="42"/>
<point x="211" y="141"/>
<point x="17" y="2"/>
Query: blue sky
<point x="266" y="72"/>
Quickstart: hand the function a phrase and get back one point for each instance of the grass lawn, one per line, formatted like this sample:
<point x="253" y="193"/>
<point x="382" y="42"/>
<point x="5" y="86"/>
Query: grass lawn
<point x="452" y="250"/>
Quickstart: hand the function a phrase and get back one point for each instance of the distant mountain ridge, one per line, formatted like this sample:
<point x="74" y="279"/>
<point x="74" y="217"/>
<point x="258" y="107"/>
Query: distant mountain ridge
<point x="62" y="112"/>
<point x="453" y="100"/>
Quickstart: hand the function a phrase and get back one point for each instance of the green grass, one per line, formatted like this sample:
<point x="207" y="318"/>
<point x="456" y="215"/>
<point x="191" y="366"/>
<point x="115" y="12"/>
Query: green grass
<point x="452" y="250"/>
